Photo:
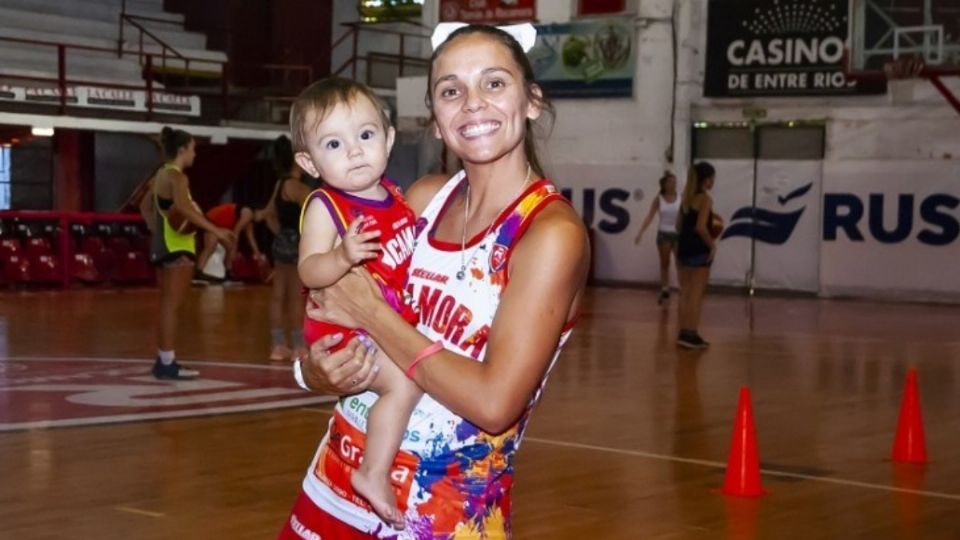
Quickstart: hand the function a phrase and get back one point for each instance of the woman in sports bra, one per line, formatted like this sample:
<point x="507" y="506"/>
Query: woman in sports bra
<point x="696" y="248"/>
<point x="173" y="246"/>
<point x="492" y="316"/>
<point x="667" y="205"/>
<point x="282" y="215"/>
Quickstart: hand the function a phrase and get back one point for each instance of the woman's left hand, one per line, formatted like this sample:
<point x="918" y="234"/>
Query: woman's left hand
<point x="347" y="301"/>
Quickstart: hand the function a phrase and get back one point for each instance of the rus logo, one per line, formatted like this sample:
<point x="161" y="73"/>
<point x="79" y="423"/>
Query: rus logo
<point x="766" y="225"/>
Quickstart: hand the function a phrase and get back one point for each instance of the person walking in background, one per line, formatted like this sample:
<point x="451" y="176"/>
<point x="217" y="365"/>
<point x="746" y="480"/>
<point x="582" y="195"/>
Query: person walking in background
<point x="667" y="206"/>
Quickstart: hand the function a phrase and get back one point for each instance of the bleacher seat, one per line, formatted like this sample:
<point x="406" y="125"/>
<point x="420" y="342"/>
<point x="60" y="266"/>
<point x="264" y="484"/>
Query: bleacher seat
<point x="13" y="265"/>
<point x="130" y="252"/>
<point x="94" y="23"/>
<point x="82" y="265"/>
<point x="43" y="262"/>
<point x="96" y="245"/>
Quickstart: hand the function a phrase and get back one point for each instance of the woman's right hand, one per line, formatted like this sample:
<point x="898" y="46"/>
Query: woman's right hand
<point x="348" y="371"/>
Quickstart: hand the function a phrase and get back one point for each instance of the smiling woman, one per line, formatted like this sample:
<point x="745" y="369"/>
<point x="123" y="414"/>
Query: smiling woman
<point x="504" y="101"/>
<point x="492" y="320"/>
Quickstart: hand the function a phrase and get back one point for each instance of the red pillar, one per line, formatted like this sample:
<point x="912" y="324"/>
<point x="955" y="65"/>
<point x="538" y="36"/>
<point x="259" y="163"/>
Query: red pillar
<point x="73" y="170"/>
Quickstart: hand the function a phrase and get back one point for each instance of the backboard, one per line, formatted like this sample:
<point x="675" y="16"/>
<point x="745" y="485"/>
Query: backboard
<point x="884" y="30"/>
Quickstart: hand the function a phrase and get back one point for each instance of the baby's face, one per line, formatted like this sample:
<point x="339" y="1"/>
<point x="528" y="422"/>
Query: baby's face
<point x="349" y="147"/>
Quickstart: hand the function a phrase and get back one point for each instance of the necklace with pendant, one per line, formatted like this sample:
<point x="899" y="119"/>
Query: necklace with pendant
<point x="462" y="273"/>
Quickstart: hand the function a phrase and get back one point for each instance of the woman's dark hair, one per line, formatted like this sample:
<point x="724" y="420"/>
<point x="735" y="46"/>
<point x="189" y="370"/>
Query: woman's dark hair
<point x="529" y="81"/>
<point x="282" y="156"/>
<point x="663" y="180"/>
<point x="172" y="140"/>
<point x="699" y="173"/>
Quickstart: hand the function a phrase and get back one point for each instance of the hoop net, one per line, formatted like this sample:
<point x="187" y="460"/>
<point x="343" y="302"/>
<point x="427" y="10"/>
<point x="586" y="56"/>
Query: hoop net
<point x="905" y="67"/>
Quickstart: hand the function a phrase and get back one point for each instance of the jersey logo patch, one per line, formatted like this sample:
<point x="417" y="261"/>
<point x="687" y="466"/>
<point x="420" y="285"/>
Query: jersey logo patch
<point x="498" y="257"/>
<point x="420" y="226"/>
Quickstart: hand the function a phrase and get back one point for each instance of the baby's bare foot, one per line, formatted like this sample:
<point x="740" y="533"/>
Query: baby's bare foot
<point x="375" y="488"/>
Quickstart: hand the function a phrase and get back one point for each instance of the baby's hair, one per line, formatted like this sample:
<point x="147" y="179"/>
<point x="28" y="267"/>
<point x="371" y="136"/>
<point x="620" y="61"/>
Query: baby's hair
<point x="321" y="97"/>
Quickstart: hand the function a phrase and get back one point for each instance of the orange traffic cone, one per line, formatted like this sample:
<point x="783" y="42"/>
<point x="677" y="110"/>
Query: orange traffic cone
<point x="910" y="446"/>
<point x="743" y="466"/>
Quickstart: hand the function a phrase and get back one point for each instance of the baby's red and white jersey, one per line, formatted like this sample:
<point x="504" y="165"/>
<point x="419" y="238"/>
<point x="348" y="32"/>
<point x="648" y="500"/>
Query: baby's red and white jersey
<point x="396" y="223"/>
<point x="451" y="477"/>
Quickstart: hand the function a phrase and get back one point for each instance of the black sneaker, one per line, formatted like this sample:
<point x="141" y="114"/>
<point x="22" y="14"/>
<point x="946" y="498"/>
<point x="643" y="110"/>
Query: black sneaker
<point x="664" y="296"/>
<point x="173" y="371"/>
<point x="691" y="340"/>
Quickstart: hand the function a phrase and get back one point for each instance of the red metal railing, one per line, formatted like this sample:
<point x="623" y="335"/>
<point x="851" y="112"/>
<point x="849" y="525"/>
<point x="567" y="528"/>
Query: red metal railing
<point x="227" y="70"/>
<point x="353" y="34"/>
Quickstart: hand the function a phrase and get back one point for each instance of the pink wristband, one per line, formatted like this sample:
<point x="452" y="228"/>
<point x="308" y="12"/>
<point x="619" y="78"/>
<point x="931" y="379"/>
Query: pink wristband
<point x="429" y="350"/>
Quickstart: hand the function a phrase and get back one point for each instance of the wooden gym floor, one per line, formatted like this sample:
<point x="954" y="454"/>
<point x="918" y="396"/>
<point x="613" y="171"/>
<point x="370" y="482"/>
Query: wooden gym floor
<point x="629" y="442"/>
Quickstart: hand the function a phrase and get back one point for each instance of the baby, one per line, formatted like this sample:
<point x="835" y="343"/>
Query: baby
<point x="342" y="135"/>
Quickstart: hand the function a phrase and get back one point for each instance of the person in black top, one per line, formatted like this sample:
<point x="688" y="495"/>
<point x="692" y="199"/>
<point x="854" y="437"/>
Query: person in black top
<point x="696" y="247"/>
<point x="282" y="215"/>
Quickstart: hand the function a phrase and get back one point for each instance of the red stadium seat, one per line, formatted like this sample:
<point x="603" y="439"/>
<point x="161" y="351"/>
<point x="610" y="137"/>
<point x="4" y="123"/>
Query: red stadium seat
<point x="9" y="246"/>
<point x="133" y="267"/>
<point x="15" y="268"/>
<point x="44" y="268"/>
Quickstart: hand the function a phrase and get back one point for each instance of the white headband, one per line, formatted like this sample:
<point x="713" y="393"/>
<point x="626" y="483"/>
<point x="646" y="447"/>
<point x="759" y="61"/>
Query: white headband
<point x="525" y="33"/>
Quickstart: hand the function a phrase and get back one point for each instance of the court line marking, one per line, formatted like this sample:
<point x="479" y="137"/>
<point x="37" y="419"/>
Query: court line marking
<point x="131" y="510"/>
<point x="721" y="465"/>
<point x="145" y="361"/>
<point x="141" y="417"/>
<point x="718" y="465"/>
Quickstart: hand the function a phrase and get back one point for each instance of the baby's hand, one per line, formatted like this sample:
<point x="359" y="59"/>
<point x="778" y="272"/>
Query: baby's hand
<point x="358" y="246"/>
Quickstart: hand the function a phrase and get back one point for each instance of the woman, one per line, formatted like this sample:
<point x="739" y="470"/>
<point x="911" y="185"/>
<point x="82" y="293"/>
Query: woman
<point x="667" y="205"/>
<point x="172" y="250"/>
<point x="696" y="248"/>
<point x="493" y="317"/>
<point x="282" y="214"/>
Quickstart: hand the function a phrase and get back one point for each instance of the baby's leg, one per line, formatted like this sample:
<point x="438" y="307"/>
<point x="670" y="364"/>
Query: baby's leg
<point x="385" y="428"/>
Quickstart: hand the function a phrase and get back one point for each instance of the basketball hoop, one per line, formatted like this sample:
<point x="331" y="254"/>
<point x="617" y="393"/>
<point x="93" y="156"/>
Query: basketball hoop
<point x="905" y="67"/>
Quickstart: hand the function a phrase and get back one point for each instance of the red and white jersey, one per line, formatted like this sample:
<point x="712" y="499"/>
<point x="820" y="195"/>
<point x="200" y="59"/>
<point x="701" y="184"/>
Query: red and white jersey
<point x="396" y="223"/>
<point x="452" y="479"/>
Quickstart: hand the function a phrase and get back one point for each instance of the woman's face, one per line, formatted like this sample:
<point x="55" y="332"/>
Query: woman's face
<point x="670" y="185"/>
<point x="479" y="99"/>
<point x="188" y="153"/>
<point x="708" y="183"/>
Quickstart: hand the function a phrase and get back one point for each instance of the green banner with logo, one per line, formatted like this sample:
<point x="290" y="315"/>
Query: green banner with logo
<point x="585" y="59"/>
